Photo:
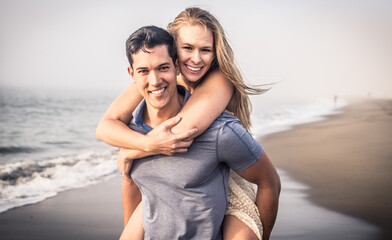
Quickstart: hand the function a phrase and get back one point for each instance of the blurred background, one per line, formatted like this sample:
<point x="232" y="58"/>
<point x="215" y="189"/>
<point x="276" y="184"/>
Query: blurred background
<point x="63" y="62"/>
<point x="316" y="47"/>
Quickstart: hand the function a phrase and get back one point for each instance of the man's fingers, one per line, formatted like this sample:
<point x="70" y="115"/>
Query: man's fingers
<point x="127" y="168"/>
<point x="181" y="150"/>
<point x="187" y="134"/>
<point x="181" y="145"/>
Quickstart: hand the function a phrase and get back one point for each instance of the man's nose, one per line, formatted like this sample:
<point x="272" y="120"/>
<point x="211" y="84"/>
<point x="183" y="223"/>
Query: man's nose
<point x="196" y="57"/>
<point x="154" y="79"/>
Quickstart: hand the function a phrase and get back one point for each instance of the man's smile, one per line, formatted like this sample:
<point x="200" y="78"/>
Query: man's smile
<point x="158" y="91"/>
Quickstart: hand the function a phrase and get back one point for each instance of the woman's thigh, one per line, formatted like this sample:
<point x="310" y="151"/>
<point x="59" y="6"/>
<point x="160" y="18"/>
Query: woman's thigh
<point x="134" y="229"/>
<point x="235" y="229"/>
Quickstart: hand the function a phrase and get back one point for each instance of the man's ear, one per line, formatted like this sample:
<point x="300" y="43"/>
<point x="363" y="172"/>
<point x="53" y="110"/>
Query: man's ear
<point x="130" y="72"/>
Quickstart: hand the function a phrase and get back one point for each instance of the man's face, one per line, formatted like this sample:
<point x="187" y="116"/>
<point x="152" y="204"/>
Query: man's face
<point x="155" y="76"/>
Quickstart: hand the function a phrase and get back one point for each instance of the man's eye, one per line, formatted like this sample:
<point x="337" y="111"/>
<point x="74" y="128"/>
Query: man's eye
<point x="143" y="72"/>
<point x="164" y="68"/>
<point x="187" y="48"/>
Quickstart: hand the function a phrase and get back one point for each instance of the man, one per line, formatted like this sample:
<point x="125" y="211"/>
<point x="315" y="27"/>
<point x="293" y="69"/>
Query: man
<point x="184" y="196"/>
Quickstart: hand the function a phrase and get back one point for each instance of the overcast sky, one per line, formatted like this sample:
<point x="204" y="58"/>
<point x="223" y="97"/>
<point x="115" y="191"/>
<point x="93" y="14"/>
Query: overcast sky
<point x="314" y="47"/>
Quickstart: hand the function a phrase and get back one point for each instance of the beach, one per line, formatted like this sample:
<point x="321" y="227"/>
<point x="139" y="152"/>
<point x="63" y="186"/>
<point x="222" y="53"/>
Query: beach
<point x="340" y="165"/>
<point x="345" y="160"/>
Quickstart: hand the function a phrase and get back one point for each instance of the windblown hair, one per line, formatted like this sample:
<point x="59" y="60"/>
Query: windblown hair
<point x="224" y="60"/>
<point x="150" y="37"/>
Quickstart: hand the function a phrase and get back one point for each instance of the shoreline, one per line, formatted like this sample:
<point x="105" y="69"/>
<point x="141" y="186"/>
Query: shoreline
<point x="89" y="213"/>
<point x="345" y="160"/>
<point x="328" y="156"/>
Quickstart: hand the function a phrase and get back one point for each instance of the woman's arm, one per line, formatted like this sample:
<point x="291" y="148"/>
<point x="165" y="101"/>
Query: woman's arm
<point x="113" y="129"/>
<point x="207" y="102"/>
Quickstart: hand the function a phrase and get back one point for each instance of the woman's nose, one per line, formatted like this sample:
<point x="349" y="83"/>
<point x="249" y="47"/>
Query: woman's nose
<point x="196" y="57"/>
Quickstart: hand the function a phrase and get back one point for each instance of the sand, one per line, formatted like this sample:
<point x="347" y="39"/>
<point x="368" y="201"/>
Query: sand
<point x="93" y="212"/>
<point x="345" y="160"/>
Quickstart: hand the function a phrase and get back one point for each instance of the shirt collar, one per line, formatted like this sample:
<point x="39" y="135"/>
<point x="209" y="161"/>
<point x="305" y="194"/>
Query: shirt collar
<point x="138" y="113"/>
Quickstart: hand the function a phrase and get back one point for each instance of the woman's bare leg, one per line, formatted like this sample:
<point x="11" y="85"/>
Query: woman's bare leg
<point x="134" y="229"/>
<point x="131" y="197"/>
<point x="235" y="229"/>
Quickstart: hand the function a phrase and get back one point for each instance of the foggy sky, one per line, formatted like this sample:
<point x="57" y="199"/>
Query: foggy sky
<point x="310" y="47"/>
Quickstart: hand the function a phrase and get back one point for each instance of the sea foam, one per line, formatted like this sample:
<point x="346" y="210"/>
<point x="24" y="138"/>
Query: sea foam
<point x="30" y="182"/>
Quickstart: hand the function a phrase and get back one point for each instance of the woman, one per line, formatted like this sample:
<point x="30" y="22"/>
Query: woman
<point x="206" y="63"/>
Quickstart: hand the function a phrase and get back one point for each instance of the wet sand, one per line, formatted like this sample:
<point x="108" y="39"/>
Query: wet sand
<point x="344" y="162"/>
<point x="90" y="213"/>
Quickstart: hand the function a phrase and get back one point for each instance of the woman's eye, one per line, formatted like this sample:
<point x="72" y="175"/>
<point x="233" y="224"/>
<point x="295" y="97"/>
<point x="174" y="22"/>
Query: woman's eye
<point x="206" y="50"/>
<point x="187" y="48"/>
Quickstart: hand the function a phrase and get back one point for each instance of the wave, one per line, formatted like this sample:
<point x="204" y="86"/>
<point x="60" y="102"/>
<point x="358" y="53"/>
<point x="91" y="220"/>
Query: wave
<point x="14" y="149"/>
<point x="30" y="182"/>
<point x="60" y="143"/>
<point x="280" y="118"/>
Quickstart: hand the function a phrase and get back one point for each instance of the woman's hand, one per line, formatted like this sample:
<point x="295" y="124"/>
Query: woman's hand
<point x="163" y="141"/>
<point x="124" y="161"/>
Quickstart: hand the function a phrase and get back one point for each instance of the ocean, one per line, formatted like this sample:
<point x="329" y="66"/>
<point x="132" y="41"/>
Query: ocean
<point x="48" y="145"/>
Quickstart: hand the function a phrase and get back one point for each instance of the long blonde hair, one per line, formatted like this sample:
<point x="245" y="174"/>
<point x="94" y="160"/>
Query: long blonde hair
<point x="224" y="59"/>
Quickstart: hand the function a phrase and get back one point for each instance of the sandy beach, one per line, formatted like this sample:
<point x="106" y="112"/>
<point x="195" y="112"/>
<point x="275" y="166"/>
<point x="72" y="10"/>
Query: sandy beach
<point x="344" y="160"/>
<point x="94" y="212"/>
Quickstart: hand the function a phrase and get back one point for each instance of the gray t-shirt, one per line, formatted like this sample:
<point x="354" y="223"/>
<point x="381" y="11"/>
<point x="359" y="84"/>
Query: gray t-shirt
<point x="184" y="196"/>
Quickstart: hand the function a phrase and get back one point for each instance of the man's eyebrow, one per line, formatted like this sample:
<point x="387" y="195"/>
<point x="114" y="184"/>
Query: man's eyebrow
<point x="141" y="68"/>
<point x="163" y="64"/>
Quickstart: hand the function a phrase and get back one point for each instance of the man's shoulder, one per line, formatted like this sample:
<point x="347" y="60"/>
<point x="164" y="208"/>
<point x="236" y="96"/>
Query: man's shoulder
<point x="225" y="126"/>
<point x="226" y="119"/>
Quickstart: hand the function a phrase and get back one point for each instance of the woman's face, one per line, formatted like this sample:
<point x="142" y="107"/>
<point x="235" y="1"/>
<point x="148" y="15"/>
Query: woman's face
<point x="195" y="48"/>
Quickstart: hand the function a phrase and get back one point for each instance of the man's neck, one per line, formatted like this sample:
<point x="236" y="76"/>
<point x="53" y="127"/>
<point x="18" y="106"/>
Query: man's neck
<point x="153" y="116"/>
<point x="190" y="86"/>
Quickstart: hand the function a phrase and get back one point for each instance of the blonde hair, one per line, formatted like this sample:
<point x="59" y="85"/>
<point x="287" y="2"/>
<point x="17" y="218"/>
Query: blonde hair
<point x="224" y="59"/>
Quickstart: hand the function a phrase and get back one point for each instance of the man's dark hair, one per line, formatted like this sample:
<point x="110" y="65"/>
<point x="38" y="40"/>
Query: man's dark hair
<point x="149" y="37"/>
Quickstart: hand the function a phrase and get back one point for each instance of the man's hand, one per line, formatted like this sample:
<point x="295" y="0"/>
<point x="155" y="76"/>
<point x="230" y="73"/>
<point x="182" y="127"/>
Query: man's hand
<point x="124" y="161"/>
<point x="163" y="141"/>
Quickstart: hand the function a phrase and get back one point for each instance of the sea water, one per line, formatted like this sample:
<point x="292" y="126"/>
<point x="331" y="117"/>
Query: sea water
<point x="48" y="145"/>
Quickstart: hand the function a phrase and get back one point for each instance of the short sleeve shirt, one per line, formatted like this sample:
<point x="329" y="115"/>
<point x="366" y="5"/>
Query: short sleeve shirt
<point x="184" y="196"/>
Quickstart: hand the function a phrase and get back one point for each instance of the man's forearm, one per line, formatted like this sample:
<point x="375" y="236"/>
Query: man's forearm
<point x="267" y="201"/>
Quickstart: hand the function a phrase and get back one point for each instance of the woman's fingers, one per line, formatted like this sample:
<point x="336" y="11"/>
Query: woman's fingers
<point x="168" y="124"/>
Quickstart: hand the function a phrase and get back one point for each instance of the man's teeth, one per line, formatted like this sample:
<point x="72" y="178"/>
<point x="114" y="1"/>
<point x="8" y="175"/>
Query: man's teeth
<point x="158" y="91"/>
<point x="193" y="69"/>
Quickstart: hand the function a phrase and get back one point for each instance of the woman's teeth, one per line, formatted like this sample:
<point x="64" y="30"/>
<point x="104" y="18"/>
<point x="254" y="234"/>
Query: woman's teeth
<point x="193" y="68"/>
